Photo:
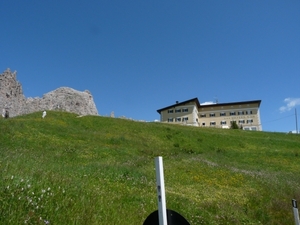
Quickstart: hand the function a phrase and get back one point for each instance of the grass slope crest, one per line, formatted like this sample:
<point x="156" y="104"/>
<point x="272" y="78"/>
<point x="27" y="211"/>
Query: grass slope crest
<point x="66" y="169"/>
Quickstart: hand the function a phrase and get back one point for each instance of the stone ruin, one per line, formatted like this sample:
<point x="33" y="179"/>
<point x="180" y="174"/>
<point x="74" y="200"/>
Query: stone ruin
<point x="66" y="99"/>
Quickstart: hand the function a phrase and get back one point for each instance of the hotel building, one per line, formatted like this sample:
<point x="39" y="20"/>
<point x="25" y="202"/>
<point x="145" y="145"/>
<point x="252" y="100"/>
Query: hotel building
<point x="219" y="115"/>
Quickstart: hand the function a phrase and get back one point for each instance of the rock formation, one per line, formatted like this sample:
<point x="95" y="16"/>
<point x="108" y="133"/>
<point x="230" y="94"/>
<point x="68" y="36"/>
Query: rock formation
<point x="64" y="99"/>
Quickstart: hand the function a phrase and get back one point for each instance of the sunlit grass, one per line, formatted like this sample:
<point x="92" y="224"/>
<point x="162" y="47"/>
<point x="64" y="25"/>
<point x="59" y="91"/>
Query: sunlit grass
<point x="97" y="170"/>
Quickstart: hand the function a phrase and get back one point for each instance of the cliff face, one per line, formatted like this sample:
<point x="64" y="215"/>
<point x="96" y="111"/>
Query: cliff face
<point x="64" y="98"/>
<point x="11" y="94"/>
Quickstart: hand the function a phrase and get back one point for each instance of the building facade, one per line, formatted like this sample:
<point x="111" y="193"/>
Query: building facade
<point x="220" y="115"/>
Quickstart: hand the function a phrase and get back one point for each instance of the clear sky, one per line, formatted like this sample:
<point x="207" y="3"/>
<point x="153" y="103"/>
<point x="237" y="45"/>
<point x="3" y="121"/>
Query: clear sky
<point x="139" y="56"/>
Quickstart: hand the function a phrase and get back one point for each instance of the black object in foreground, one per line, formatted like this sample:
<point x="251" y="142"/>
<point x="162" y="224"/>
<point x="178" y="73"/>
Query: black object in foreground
<point x="173" y="218"/>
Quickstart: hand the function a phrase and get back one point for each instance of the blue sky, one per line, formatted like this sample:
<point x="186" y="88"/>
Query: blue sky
<point x="139" y="56"/>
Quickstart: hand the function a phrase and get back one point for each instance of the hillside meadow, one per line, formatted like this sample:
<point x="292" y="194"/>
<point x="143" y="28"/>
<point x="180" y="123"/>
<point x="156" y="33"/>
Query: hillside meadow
<point x="66" y="170"/>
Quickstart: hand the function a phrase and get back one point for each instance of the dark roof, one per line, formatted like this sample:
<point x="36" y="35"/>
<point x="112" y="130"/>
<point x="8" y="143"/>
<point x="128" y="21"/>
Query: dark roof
<point x="232" y="103"/>
<point x="210" y="105"/>
<point x="181" y="103"/>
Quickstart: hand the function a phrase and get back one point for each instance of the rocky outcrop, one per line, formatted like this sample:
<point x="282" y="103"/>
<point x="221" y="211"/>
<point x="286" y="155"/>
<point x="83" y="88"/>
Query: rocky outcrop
<point x="11" y="94"/>
<point x="64" y="99"/>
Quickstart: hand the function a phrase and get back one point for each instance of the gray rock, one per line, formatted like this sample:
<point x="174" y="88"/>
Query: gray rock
<point x="63" y="99"/>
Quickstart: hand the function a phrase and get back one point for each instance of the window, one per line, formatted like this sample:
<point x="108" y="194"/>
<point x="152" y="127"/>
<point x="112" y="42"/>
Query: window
<point x="222" y="114"/>
<point x="241" y="121"/>
<point x="203" y="124"/>
<point x="170" y="111"/>
<point x="178" y="119"/>
<point x="185" y="110"/>
<point x="232" y="113"/>
<point x="185" y="119"/>
<point x="253" y="128"/>
<point x="212" y="123"/>
<point x="250" y="121"/>
<point x="170" y="119"/>
<point x="203" y="115"/>
<point x="223" y="122"/>
<point x="241" y="113"/>
<point x="177" y="110"/>
<point x="212" y="114"/>
<point x="249" y="112"/>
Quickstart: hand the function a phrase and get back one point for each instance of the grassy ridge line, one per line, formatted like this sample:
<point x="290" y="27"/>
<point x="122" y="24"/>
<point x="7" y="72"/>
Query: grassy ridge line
<point x="101" y="171"/>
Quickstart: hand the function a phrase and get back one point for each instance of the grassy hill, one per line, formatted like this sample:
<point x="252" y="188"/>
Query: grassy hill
<point x="66" y="170"/>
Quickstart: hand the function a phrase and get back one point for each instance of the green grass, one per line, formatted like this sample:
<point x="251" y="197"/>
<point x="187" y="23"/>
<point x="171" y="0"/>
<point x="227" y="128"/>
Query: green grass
<point x="98" y="170"/>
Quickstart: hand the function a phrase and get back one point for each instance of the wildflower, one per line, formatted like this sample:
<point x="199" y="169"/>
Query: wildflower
<point x="7" y="187"/>
<point x="46" y="222"/>
<point x="12" y="177"/>
<point x="28" y="185"/>
<point x="43" y="191"/>
<point x="49" y="189"/>
<point x="22" y="180"/>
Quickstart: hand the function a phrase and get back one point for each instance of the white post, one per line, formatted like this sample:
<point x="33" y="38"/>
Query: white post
<point x="295" y="210"/>
<point x="160" y="182"/>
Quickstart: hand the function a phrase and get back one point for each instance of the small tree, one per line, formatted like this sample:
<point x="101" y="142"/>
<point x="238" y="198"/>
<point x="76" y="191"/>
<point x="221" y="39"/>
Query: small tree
<point x="234" y="125"/>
